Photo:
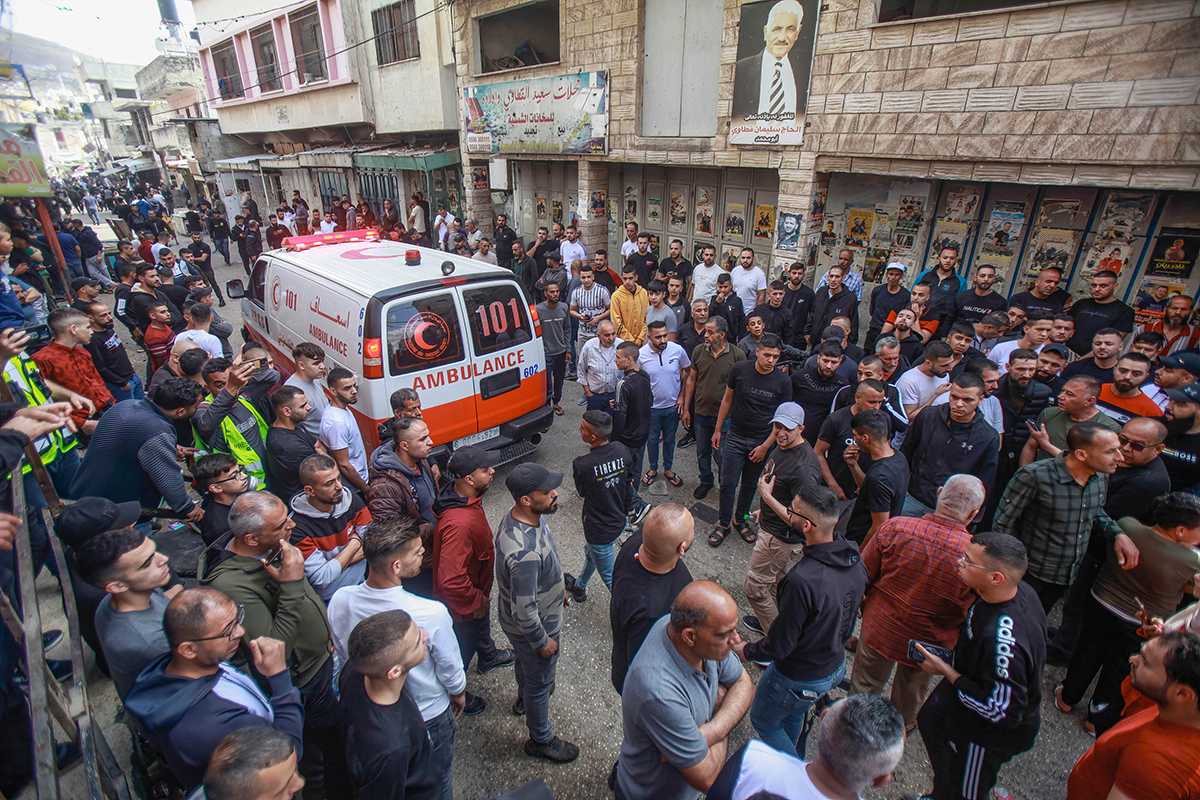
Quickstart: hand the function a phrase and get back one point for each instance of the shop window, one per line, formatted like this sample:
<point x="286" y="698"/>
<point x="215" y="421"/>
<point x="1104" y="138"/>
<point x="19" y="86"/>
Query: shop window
<point x="229" y="77"/>
<point x="679" y="82"/>
<point x="897" y="10"/>
<point x="396" y="32"/>
<point x="266" y="57"/>
<point x="309" y="45"/>
<point x="525" y="36"/>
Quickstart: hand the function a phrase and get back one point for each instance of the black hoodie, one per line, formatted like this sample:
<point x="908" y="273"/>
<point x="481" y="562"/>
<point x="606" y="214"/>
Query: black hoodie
<point x="631" y="412"/>
<point x="818" y="603"/>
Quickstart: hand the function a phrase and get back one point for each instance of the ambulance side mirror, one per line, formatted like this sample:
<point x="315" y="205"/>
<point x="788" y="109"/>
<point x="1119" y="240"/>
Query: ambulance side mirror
<point x="235" y="290"/>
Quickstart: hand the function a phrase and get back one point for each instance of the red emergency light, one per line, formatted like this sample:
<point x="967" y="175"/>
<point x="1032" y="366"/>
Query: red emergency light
<point x="297" y="243"/>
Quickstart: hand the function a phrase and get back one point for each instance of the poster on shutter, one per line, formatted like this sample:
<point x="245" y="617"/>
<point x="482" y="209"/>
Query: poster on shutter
<point x="1054" y="248"/>
<point x="885" y="225"/>
<point x="1123" y="213"/>
<point x="1152" y="298"/>
<point x="479" y="177"/>
<point x="677" y="210"/>
<point x="876" y="264"/>
<point x="539" y="204"/>
<point x="631" y="203"/>
<point x="789" y="232"/>
<point x="764" y="223"/>
<point x="771" y="77"/>
<point x="706" y="210"/>
<point x="1058" y="213"/>
<point x="859" y="218"/>
<point x="961" y="206"/>
<point x="735" y="219"/>
<point x="556" y="212"/>
<point x="1104" y="254"/>
<point x="1004" y="229"/>
<point x="1174" y="255"/>
<point x="653" y="212"/>
<point x="946" y="234"/>
<point x="911" y="213"/>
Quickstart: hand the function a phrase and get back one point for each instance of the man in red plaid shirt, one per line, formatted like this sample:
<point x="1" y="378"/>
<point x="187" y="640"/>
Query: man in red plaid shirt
<point x="915" y="593"/>
<point x="65" y="361"/>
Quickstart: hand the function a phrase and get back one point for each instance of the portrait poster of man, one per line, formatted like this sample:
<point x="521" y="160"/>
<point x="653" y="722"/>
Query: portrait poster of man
<point x="1174" y="254"/>
<point x="770" y="84"/>
<point x="789" y="232"/>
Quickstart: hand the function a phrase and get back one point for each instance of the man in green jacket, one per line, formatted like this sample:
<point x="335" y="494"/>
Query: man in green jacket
<point x="257" y="566"/>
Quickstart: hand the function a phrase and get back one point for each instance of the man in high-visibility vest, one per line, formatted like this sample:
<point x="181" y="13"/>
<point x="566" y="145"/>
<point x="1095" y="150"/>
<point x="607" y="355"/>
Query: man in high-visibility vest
<point x="236" y="415"/>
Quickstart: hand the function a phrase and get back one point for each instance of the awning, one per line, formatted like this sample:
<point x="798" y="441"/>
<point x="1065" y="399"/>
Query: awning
<point x="113" y="171"/>
<point x="240" y="160"/>
<point x="137" y="164"/>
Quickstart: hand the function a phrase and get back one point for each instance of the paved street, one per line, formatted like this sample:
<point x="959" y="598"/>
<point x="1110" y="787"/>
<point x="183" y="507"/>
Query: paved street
<point x="585" y="709"/>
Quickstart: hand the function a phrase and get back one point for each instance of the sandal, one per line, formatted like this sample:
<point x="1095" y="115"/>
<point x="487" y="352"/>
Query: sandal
<point x="672" y="478"/>
<point x="558" y="411"/>
<point x="743" y="529"/>
<point x="718" y="535"/>
<point x="650" y="477"/>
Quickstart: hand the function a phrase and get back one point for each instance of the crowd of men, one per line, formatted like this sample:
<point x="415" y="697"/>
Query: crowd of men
<point x="975" y="462"/>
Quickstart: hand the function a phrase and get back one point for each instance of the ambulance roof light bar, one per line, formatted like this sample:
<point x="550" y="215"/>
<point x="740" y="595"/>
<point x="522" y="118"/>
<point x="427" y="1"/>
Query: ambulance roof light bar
<point x="298" y="243"/>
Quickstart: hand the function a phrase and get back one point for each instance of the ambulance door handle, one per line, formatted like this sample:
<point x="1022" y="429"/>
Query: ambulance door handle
<point x="500" y="383"/>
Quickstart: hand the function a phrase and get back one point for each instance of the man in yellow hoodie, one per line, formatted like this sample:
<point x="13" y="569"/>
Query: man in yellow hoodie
<point x="629" y="304"/>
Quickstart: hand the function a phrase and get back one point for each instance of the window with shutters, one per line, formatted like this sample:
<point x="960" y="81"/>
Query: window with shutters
<point x="266" y="58"/>
<point x="396" y="31"/>
<point x="682" y="66"/>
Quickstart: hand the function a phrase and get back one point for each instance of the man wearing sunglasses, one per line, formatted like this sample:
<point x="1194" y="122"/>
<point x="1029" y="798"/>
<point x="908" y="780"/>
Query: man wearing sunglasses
<point x="189" y="699"/>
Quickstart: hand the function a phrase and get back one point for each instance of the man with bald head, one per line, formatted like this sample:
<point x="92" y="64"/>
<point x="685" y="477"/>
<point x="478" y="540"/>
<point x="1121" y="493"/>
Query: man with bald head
<point x="672" y="705"/>
<point x="818" y="604"/>
<point x="648" y="575"/>
<point x="189" y="699"/>
<point x="171" y="368"/>
<point x="915" y="593"/>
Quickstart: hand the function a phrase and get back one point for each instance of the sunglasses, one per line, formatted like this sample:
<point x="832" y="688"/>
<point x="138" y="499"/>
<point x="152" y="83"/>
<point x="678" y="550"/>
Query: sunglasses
<point x="1135" y="446"/>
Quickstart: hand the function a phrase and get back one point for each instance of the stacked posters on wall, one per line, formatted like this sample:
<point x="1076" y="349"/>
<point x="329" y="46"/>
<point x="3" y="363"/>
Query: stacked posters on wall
<point x="818" y="204"/>
<point x="764" y="223"/>
<point x="859" y="219"/>
<point x="831" y="233"/>
<point x="876" y="262"/>
<point x="1058" y="213"/>
<point x="1004" y="229"/>
<point x="1152" y="298"/>
<point x="1123" y="213"/>
<point x="735" y="219"/>
<point x="909" y="216"/>
<point x="789" y="232"/>
<point x="599" y="201"/>
<point x="631" y="203"/>
<point x="706" y="210"/>
<point x="556" y="211"/>
<point x="539" y="204"/>
<point x="885" y="225"/>
<point x="677" y="210"/>
<point x="1053" y="247"/>
<point x="812" y="246"/>
<point x="1174" y="254"/>
<point x="961" y="207"/>
<point x="653" y="212"/>
<point x="946" y="234"/>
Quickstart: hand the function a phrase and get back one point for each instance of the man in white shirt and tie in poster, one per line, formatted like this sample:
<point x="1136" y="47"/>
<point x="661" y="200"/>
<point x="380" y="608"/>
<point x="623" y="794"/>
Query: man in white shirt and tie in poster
<point x="770" y="81"/>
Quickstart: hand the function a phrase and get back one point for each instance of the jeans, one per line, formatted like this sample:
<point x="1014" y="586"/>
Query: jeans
<point x="75" y="268"/>
<point x="597" y="558"/>
<point x="914" y="507"/>
<point x="535" y="684"/>
<point x="599" y="402"/>
<point x="135" y="391"/>
<point x="557" y="367"/>
<point x="475" y="636"/>
<point x="441" y="735"/>
<point x="62" y="473"/>
<point x="780" y="705"/>
<point x="664" y="422"/>
<point x="93" y="216"/>
<point x="633" y="500"/>
<point x="324" y="759"/>
<point x="735" y="464"/>
<point x="95" y="268"/>
<point x="222" y="247"/>
<point x="703" y="429"/>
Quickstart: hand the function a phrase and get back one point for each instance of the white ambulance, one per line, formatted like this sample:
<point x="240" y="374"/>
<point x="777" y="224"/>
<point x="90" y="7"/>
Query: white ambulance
<point x="460" y="332"/>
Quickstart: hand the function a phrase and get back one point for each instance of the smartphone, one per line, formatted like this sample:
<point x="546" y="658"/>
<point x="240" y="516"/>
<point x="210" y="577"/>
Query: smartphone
<point x="769" y="469"/>
<point x="944" y="653"/>
<point x="260" y="365"/>
<point x="275" y="558"/>
<point x="1142" y="606"/>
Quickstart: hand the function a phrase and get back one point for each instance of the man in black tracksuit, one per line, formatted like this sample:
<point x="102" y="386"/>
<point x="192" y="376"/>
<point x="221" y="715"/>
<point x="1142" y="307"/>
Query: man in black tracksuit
<point x="985" y="711"/>
<point x="631" y="416"/>
<point x="602" y="476"/>
<point x="818" y="603"/>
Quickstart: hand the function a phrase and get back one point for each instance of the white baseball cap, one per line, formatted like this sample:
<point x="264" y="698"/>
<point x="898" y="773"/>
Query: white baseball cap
<point x="897" y="265"/>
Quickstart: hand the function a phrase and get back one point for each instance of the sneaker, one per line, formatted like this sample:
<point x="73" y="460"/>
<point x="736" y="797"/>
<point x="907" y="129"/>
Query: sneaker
<point x="763" y="664"/>
<point x="519" y="707"/>
<point x="577" y="592"/>
<point x="50" y="639"/>
<point x="581" y="401"/>
<point x="753" y="624"/>
<point x="687" y="441"/>
<point x="556" y="749"/>
<point x="504" y="658"/>
<point x="475" y="705"/>
<point x="637" y="517"/>
<point x="702" y="491"/>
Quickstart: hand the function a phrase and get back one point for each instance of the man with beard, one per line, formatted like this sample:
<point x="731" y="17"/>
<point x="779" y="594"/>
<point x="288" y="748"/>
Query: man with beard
<point x="799" y="298"/>
<point x="339" y="431"/>
<point x="1181" y="450"/>
<point x="1062" y="330"/>
<point x="975" y="304"/>
<point x="1174" y="326"/>
<point x="1045" y="294"/>
<point x="1051" y="362"/>
<point x="1100" y="311"/>
<point x="894" y="363"/>
<point x="947" y="285"/>
<point x="832" y="300"/>
<point x="530" y="599"/>
<point x="886" y="298"/>
<point x="813" y="388"/>
<point x="912" y="343"/>
<point x="1123" y="399"/>
<point x="1174" y="372"/>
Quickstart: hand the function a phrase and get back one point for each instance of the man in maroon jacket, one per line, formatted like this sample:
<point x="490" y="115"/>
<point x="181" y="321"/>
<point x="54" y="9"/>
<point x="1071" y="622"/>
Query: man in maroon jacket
<point x="464" y="556"/>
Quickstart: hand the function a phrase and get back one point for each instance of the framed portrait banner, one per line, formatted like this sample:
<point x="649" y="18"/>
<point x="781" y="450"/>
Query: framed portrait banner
<point x="774" y="62"/>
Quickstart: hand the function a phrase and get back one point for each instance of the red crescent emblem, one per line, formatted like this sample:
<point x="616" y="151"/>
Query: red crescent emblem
<point x="362" y="254"/>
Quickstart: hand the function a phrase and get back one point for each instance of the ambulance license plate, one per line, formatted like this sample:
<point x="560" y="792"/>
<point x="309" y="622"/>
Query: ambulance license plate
<point x="476" y="438"/>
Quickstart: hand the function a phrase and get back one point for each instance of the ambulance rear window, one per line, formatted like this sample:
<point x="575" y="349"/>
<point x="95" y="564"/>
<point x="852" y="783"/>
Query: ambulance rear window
<point x="499" y="317"/>
<point x="423" y="333"/>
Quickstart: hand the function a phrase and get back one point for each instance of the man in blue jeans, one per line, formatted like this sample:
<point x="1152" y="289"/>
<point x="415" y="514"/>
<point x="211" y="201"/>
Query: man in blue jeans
<point x="711" y="362"/>
<point x="602" y="478"/>
<point x="664" y="362"/>
<point x="818" y="602"/>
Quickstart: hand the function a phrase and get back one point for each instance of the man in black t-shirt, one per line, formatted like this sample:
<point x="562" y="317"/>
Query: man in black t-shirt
<point x="882" y="482"/>
<point x="191" y="219"/>
<point x="794" y="465"/>
<point x="648" y="575"/>
<point x="986" y="710"/>
<point x="288" y="443"/>
<point x="975" y="304"/>
<point x="602" y="476"/>
<point x="388" y="749"/>
<point x="753" y="391"/>
<point x="836" y="435"/>
<point x="1101" y="310"/>
<point x="1181" y="451"/>
<point x="814" y="387"/>
<point x="1106" y="350"/>
<point x="1045" y="295"/>
<point x="643" y="260"/>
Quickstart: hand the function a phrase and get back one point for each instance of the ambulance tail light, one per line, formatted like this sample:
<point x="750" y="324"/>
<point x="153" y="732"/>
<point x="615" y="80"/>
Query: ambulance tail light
<point x="298" y="243"/>
<point x="537" y="323"/>
<point x="373" y="358"/>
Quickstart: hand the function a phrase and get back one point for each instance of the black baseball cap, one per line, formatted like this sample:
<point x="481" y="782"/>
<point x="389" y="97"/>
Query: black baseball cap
<point x="1185" y="394"/>
<point x="556" y="257"/>
<point x="529" y="478"/>
<point x="89" y="516"/>
<point x="1055" y="347"/>
<point x="466" y="460"/>
<point x="833" y="333"/>
<point x="79" y="283"/>
<point x="1186" y="361"/>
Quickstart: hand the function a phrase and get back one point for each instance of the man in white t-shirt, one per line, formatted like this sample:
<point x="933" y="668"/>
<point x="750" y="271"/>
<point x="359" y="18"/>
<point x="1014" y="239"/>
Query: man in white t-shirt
<point x="922" y="384"/>
<point x="704" y="276"/>
<point x="442" y="221"/>
<point x="438" y="685"/>
<point x="309" y="359"/>
<point x="1038" y="325"/>
<point x="416" y="215"/>
<point x="485" y="253"/>
<point x="339" y="429"/>
<point x="749" y="282"/>
<point x="862" y="730"/>
<point x="199" y="319"/>
<point x="572" y="248"/>
<point x="630" y="244"/>
<point x="327" y="224"/>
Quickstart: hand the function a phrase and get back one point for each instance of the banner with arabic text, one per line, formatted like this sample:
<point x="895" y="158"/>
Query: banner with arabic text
<point x="558" y="114"/>
<point x="22" y="172"/>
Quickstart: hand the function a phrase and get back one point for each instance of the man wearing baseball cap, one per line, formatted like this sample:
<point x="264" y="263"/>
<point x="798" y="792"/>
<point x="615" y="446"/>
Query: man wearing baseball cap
<point x="793" y="464"/>
<point x="886" y="298"/>
<point x="464" y="556"/>
<point x="531" y="598"/>
<point x="1174" y="372"/>
<point x="86" y="291"/>
<point x="1181" y="451"/>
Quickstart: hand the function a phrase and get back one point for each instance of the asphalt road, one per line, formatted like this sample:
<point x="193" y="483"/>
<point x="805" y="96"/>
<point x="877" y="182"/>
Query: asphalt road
<point x="585" y="709"/>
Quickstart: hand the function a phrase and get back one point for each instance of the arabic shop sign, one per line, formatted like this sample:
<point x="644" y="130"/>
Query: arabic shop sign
<point x="22" y="172"/>
<point x="559" y="114"/>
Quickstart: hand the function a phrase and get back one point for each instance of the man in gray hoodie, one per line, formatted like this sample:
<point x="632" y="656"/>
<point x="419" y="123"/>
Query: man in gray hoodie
<point x="402" y="485"/>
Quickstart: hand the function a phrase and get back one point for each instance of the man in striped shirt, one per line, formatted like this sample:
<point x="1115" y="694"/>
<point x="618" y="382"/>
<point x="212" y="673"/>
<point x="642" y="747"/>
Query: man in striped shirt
<point x="590" y="304"/>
